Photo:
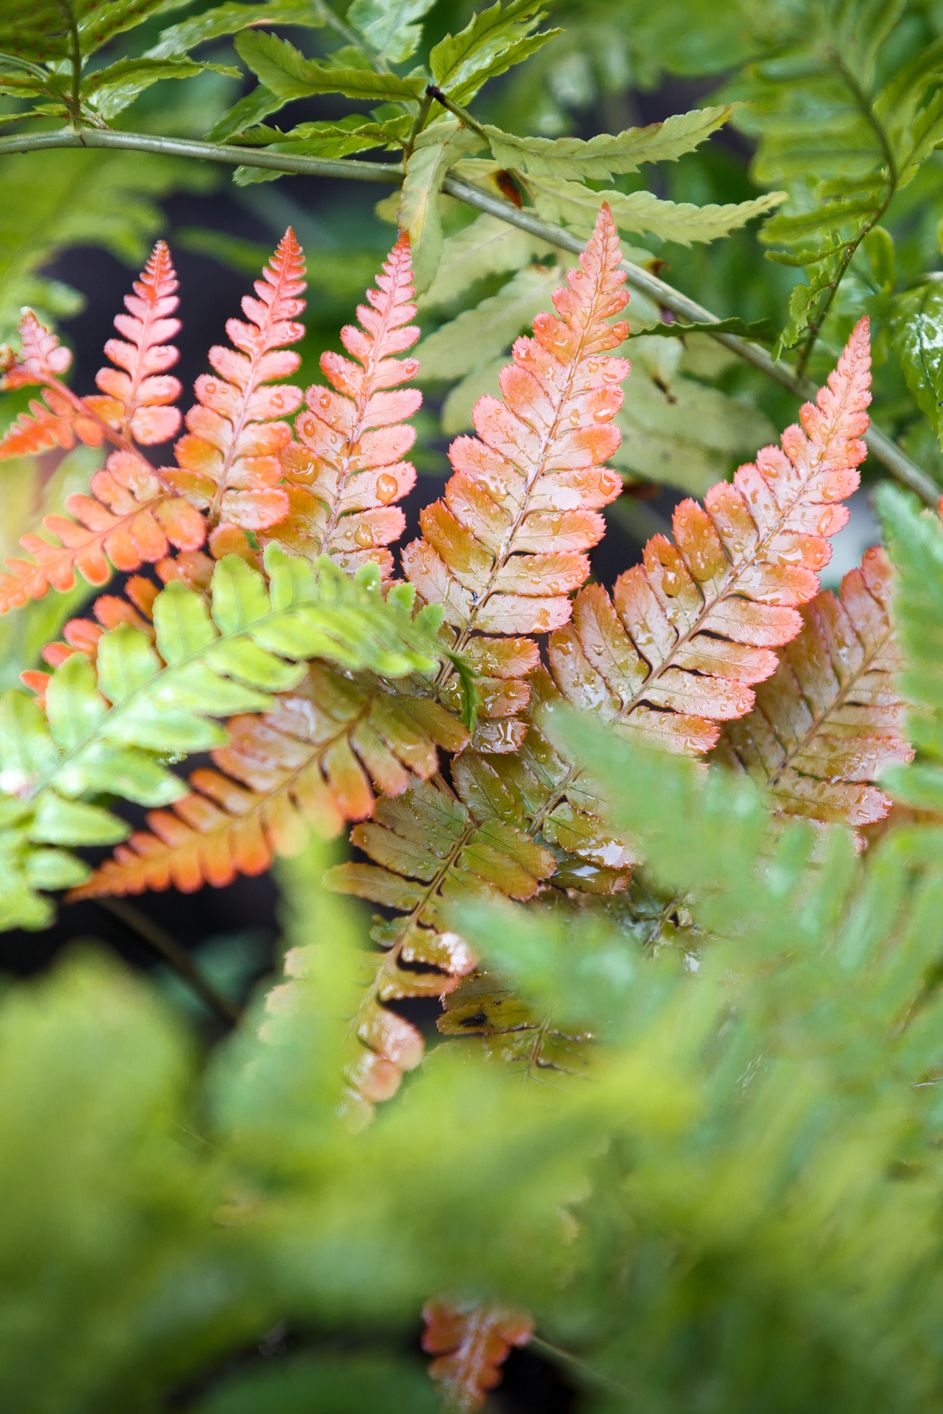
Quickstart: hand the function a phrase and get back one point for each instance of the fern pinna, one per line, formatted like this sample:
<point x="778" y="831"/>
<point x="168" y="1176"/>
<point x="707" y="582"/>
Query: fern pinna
<point x="132" y="516"/>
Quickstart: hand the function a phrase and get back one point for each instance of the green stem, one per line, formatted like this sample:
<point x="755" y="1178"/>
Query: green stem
<point x="641" y="281"/>
<point x="462" y="114"/>
<point x="174" y="955"/>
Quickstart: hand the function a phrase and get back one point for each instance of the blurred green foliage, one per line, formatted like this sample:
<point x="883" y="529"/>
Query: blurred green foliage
<point x="736" y="1207"/>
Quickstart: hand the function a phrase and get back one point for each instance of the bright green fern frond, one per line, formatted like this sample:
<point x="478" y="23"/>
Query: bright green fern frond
<point x="114" y="722"/>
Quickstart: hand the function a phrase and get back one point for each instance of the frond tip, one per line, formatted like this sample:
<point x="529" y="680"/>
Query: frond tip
<point x="347" y="468"/>
<point x="687" y="633"/>
<point x="228" y="459"/>
<point x="471" y="1342"/>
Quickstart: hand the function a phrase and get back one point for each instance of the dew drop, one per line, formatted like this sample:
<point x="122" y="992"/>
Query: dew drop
<point x="410" y="367"/>
<point x="325" y="400"/>
<point x="364" y="537"/>
<point x="387" y="487"/>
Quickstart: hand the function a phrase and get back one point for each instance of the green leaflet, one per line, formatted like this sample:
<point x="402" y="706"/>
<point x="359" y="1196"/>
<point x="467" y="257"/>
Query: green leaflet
<point x="607" y="154"/>
<point x="487" y="246"/>
<point x="115" y="87"/>
<point x="915" y="544"/>
<point x="437" y="148"/>
<point x="917" y="337"/>
<point x="389" y="26"/>
<point x="288" y="74"/>
<point x="482" y="333"/>
<point x="493" y="41"/>
<point x="113" y="720"/>
<point x="41" y="30"/>
<point x="641" y="213"/>
<point x="322" y="139"/>
<point x="231" y="18"/>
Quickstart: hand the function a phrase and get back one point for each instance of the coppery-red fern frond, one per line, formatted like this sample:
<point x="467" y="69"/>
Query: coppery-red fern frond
<point x="831" y="718"/>
<point x="505" y="547"/>
<point x="228" y="459"/>
<point x="471" y="1342"/>
<point x="347" y="467"/>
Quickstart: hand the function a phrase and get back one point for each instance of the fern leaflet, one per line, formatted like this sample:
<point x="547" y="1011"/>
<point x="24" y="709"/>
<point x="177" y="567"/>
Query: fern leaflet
<point x="346" y="469"/>
<point x="228" y="459"/>
<point x="829" y="720"/>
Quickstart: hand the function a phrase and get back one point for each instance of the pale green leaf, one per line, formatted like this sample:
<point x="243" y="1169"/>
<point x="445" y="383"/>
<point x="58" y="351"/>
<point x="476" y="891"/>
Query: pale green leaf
<point x="289" y="75"/>
<point x="436" y="149"/>
<point x="607" y="154"/>
<point x="389" y="26"/>
<point x="642" y="213"/>
<point x="478" y="335"/>
<point x="488" y="246"/>
<point x="493" y="41"/>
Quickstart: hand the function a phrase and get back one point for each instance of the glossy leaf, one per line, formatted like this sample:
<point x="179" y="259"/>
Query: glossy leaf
<point x="686" y="634"/>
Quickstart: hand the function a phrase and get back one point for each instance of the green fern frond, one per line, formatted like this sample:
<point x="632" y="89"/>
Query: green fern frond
<point x="113" y="722"/>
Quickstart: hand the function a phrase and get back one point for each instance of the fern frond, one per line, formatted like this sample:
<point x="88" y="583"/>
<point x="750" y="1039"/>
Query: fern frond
<point x="228" y="459"/>
<point x="829" y="721"/>
<point x="510" y="1031"/>
<point x="425" y="848"/>
<point x="155" y="695"/>
<point x="470" y="1343"/>
<point x="139" y="384"/>
<point x="315" y="760"/>
<point x="347" y="468"/>
<point x="129" y="517"/>
<point x="677" y="648"/>
<point x="532" y="479"/>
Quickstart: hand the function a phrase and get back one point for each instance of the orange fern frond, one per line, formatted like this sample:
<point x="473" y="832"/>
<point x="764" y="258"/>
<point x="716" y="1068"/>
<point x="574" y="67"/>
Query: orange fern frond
<point x="677" y="648"/>
<point x="505" y="547"/>
<point x="471" y="1342"/>
<point x="140" y="393"/>
<point x="314" y="761"/>
<point x="831" y="718"/>
<point x="228" y="459"/>
<point x="425" y="848"/>
<point x="346" y="470"/>
<point x="128" y="519"/>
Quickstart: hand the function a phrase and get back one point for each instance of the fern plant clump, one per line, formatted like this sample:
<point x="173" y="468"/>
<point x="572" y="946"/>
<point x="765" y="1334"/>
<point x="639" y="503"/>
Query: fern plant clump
<point x="593" y="1054"/>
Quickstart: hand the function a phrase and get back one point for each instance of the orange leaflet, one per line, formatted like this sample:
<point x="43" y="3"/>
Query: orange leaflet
<point x="831" y="718"/>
